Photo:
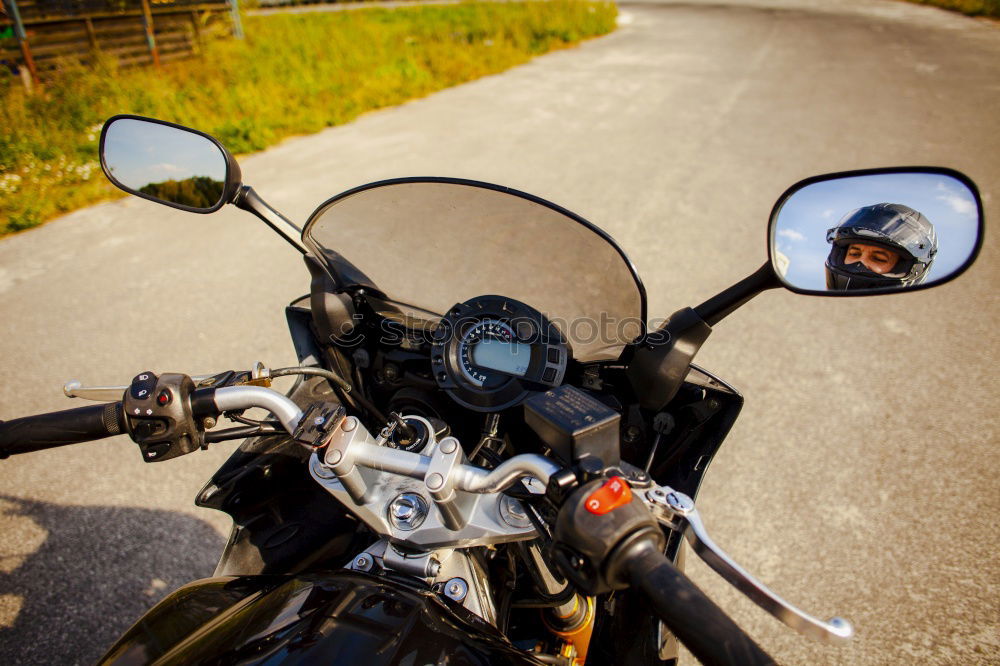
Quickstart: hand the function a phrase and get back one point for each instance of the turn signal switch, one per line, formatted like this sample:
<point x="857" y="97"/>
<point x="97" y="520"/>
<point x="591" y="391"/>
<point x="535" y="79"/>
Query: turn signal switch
<point x="160" y="417"/>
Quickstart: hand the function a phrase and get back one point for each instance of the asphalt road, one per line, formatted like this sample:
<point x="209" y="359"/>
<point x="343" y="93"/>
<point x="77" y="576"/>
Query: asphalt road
<point x="862" y="477"/>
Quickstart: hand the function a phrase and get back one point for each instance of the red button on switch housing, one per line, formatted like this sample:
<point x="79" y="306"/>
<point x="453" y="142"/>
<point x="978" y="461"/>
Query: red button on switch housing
<point x="610" y="496"/>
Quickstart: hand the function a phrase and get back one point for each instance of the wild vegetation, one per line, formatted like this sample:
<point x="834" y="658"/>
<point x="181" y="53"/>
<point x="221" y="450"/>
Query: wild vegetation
<point x="293" y="74"/>
<point x="990" y="8"/>
<point x="197" y="192"/>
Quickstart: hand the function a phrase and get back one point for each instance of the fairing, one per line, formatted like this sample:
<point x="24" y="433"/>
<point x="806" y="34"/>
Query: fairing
<point x="339" y="617"/>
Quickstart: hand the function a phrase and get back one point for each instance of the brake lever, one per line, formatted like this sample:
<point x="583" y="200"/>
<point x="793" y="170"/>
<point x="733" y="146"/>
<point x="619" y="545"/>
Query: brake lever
<point x="676" y="511"/>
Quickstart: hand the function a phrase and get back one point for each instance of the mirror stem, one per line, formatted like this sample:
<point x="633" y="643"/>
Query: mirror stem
<point x="249" y="200"/>
<point x="724" y="303"/>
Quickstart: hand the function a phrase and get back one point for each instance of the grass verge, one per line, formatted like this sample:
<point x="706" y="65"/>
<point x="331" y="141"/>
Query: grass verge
<point x="293" y="74"/>
<point x="990" y="8"/>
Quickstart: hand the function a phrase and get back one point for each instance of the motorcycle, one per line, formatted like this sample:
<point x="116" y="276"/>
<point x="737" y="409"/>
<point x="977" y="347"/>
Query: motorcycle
<point x="501" y="469"/>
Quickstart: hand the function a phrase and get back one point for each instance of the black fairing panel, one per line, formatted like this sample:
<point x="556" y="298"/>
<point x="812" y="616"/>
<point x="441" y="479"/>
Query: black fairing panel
<point x="340" y="617"/>
<point x="283" y="521"/>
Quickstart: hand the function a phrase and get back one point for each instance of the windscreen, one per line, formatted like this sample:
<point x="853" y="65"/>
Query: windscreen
<point x="432" y="244"/>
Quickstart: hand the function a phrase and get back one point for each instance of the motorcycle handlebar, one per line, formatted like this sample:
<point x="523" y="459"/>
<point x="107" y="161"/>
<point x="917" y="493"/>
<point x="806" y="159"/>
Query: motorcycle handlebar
<point x="70" y="426"/>
<point x="694" y="619"/>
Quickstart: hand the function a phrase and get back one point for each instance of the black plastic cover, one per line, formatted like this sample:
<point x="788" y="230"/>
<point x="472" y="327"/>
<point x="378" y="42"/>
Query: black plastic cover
<point x="283" y="521"/>
<point x="339" y="617"/>
<point x="575" y="425"/>
<point x="659" y="366"/>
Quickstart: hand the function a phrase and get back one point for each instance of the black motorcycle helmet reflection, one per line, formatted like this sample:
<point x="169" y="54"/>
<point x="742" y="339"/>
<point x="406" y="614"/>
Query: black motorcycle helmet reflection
<point x="894" y="227"/>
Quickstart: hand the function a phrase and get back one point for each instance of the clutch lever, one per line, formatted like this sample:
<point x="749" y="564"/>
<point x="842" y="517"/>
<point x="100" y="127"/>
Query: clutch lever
<point x="258" y="376"/>
<point x="676" y="511"/>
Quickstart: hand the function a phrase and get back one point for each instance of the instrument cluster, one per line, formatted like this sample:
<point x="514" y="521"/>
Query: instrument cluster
<point x="491" y="351"/>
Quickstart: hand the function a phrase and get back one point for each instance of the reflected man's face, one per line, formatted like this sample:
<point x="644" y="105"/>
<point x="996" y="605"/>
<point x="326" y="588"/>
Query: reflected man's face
<point x="876" y="259"/>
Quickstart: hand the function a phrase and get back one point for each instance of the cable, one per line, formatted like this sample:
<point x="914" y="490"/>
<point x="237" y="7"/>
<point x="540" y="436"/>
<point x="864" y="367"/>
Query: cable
<point x="318" y="372"/>
<point x="338" y="382"/>
<point x="239" y="433"/>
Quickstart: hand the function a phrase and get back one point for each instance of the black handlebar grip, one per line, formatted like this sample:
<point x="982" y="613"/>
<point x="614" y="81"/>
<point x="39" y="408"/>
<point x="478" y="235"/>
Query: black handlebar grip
<point x="694" y="619"/>
<point x="71" y="426"/>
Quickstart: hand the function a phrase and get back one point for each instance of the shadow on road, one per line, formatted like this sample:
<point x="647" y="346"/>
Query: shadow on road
<point x="97" y="570"/>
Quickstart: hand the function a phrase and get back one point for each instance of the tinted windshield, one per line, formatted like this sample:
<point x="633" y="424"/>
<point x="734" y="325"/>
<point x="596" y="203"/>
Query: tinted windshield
<point x="434" y="243"/>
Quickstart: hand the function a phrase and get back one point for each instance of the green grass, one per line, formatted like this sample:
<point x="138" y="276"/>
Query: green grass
<point x="293" y="74"/>
<point x="990" y="8"/>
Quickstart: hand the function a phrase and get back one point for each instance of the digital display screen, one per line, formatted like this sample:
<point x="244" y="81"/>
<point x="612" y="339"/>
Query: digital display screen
<point x="508" y="357"/>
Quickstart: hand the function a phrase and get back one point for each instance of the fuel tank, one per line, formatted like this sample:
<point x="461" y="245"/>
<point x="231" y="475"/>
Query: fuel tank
<point x="339" y="617"/>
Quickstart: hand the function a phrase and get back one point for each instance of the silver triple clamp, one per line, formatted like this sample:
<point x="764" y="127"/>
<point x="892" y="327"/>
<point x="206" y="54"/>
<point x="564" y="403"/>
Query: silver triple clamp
<point x="676" y="511"/>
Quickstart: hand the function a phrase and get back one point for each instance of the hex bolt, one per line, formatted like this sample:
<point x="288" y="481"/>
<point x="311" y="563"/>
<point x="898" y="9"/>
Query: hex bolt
<point x="208" y="422"/>
<point x="319" y="420"/>
<point x="407" y="511"/>
<point x="657" y="497"/>
<point x="363" y="562"/>
<point x="449" y="445"/>
<point x="513" y="513"/>
<point x="456" y="589"/>
<point x="433" y="568"/>
<point x="403" y="511"/>
<point x="435" y="481"/>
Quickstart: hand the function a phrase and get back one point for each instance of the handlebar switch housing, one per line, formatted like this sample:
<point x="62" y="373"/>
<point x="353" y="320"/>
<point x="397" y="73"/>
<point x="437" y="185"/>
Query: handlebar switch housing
<point x="591" y="540"/>
<point x="159" y="416"/>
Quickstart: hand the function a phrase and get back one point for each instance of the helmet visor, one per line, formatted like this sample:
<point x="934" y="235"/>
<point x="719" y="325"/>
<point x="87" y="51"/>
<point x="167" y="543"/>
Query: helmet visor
<point x="884" y="225"/>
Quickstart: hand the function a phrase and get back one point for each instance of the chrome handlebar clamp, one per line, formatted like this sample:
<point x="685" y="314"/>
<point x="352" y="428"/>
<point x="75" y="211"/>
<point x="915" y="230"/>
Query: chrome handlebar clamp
<point x="462" y="505"/>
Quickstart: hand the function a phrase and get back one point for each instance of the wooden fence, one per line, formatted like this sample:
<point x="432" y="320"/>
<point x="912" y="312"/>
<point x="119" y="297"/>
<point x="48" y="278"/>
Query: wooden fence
<point x="36" y="35"/>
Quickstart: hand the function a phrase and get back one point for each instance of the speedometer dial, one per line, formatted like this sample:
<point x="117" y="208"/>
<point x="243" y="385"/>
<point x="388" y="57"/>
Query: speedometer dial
<point x="489" y="352"/>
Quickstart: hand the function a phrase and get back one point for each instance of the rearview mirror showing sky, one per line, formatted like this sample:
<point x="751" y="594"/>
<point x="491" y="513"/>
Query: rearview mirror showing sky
<point x="165" y="163"/>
